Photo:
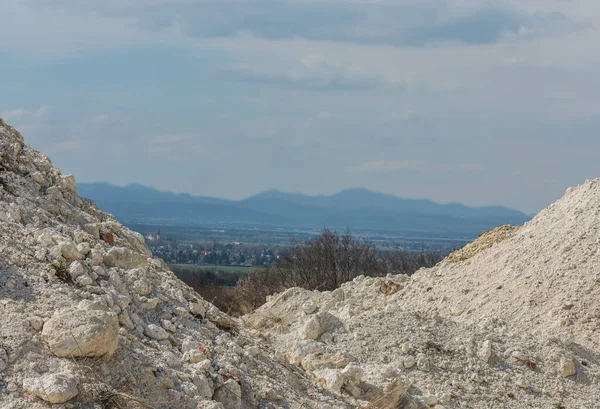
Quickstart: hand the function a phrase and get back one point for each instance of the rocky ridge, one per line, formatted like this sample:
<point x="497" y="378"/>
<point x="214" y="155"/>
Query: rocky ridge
<point x="88" y="319"/>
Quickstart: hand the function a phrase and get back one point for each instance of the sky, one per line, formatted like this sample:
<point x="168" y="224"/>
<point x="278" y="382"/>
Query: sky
<point x="474" y="101"/>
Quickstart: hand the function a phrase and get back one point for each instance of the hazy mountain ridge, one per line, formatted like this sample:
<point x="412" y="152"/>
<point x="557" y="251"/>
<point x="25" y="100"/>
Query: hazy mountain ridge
<point x="354" y="208"/>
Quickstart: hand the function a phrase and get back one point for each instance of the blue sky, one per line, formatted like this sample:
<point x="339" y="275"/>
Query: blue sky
<point x="476" y="101"/>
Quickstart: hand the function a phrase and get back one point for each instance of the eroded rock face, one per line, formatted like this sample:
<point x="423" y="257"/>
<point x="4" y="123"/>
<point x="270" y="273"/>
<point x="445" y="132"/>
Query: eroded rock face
<point x="82" y="333"/>
<point x="53" y="388"/>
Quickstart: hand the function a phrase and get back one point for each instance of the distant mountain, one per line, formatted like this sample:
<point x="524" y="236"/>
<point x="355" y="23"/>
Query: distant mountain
<point x="357" y="209"/>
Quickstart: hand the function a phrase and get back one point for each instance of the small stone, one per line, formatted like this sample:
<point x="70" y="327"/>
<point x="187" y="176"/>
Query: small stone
<point x="36" y="323"/>
<point x="109" y="238"/>
<point x="565" y="338"/>
<point x="195" y="356"/>
<point x="230" y="395"/>
<point x="53" y="388"/>
<point x="70" y="252"/>
<point x="76" y="269"/>
<point x="409" y="362"/>
<point x="485" y="352"/>
<point x="423" y="363"/>
<point x="430" y="400"/>
<point x="197" y="309"/>
<point x="142" y="287"/>
<point x="3" y="365"/>
<point x="567" y="367"/>
<point x="10" y="284"/>
<point x="84" y="248"/>
<point x="169" y="326"/>
<point x="309" y="307"/>
<point x="155" y="332"/>
<point x="84" y="280"/>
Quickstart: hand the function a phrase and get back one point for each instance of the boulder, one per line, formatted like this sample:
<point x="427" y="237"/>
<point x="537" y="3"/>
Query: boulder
<point x="53" y="388"/>
<point x="78" y="333"/>
<point x="155" y="332"/>
<point x="230" y="395"/>
<point x="124" y="258"/>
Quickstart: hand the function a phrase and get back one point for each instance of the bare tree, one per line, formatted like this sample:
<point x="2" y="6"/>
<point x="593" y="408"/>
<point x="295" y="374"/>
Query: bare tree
<point x="324" y="263"/>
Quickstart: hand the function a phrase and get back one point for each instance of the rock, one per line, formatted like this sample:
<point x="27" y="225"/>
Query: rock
<point x="124" y="258"/>
<point x="168" y="325"/>
<point x="53" y="388"/>
<point x="79" y="333"/>
<point x="567" y="367"/>
<point x="84" y="248"/>
<point x="309" y="307"/>
<point x="142" y="287"/>
<point x="70" y="252"/>
<point x="319" y="324"/>
<point x="409" y="362"/>
<point x="155" y="332"/>
<point x="3" y="365"/>
<point x="109" y="238"/>
<point x="335" y="379"/>
<point x="423" y="363"/>
<point x="195" y="355"/>
<point x="197" y="309"/>
<point x="485" y="352"/>
<point x="230" y="395"/>
<point x="68" y="183"/>
<point x="204" y="386"/>
<point x="312" y="329"/>
<point x="565" y="338"/>
<point x="84" y="280"/>
<point x="36" y="323"/>
<point x="76" y="269"/>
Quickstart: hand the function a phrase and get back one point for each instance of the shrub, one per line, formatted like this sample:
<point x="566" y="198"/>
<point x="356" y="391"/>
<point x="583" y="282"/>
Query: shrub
<point x="324" y="263"/>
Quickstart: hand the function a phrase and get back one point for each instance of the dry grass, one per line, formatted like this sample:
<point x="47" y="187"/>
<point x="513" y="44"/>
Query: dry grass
<point x="485" y="240"/>
<point x="391" y="399"/>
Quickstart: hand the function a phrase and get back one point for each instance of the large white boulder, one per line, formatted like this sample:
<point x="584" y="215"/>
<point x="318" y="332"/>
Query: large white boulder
<point x="75" y="333"/>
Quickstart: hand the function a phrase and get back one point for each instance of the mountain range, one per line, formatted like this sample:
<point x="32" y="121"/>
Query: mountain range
<point x="356" y="209"/>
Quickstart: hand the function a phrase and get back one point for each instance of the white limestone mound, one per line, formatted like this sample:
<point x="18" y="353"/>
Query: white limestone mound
<point x="89" y="319"/>
<point x="511" y="322"/>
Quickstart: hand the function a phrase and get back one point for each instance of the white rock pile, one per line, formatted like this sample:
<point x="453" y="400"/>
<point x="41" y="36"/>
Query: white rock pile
<point x="517" y="325"/>
<point x="88" y="319"/>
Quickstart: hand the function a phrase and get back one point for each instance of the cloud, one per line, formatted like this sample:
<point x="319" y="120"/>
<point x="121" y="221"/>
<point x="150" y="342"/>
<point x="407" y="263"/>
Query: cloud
<point x="311" y="72"/>
<point x="62" y="146"/>
<point x="24" y="113"/>
<point x="13" y="114"/>
<point x="392" y="22"/>
<point x="41" y="111"/>
<point x="178" y="145"/>
<point x="389" y="166"/>
<point x="98" y="119"/>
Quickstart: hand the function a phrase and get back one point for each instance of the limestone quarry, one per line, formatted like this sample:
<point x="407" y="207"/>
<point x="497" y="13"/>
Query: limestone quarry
<point x="89" y="319"/>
